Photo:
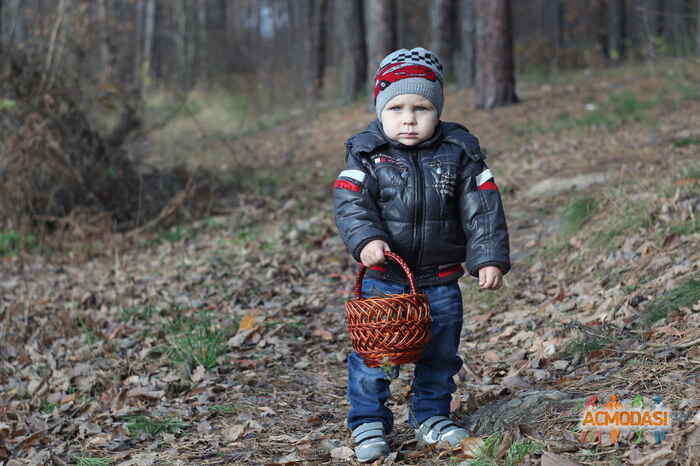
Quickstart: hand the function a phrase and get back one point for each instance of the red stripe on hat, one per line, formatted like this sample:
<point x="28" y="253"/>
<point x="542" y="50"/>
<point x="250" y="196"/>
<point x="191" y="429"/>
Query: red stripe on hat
<point x="398" y="71"/>
<point x="378" y="268"/>
<point x="450" y="271"/>
<point x="488" y="186"/>
<point x="342" y="184"/>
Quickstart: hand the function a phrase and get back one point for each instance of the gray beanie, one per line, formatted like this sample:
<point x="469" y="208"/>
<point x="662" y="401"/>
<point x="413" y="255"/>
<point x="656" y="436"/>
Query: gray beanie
<point x="415" y="71"/>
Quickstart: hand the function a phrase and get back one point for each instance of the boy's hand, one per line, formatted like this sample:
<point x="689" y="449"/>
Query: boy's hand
<point x="490" y="278"/>
<point x="373" y="253"/>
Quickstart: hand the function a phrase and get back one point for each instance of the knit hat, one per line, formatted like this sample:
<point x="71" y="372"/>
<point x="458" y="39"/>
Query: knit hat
<point x="415" y="71"/>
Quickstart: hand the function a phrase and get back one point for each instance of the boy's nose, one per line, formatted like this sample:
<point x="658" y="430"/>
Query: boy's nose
<point x="409" y="118"/>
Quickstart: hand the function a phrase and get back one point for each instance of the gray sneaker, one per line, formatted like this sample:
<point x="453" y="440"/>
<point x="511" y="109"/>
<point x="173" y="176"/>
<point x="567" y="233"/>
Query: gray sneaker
<point x="440" y="429"/>
<point x="370" y="443"/>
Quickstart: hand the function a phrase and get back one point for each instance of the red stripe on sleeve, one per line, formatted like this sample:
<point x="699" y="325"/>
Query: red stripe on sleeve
<point x="488" y="186"/>
<point x="450" y="271"/>
<point x="342" y="184"/>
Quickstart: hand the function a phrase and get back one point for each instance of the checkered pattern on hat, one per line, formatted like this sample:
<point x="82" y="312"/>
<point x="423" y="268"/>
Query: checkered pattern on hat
<point x="419" y="55"/>
<point x="415" y="71"/>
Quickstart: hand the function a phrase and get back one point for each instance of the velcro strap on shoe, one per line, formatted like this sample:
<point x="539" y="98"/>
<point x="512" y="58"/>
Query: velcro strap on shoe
<point x="368" y="431"/>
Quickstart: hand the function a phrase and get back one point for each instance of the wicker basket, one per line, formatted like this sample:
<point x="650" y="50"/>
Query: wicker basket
<point x="393" y="328"/>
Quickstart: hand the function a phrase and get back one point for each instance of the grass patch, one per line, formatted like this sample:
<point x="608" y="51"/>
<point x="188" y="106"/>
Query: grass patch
<point x="196" y="341"/>
<point x="620" y="108"/>
<point x="152" y="426"/>
<point x="585" y="344"/>
<point x="12" y="242"/>
<point x="575" y="215"/>
<point x="685" y="295"/>
<point x="516" y="453"/>
<point x="92" y="461"/>
<point x="685" y="142"/>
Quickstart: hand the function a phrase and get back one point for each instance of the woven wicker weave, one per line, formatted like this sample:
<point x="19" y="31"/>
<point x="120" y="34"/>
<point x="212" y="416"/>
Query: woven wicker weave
<point x="392" y="327"/>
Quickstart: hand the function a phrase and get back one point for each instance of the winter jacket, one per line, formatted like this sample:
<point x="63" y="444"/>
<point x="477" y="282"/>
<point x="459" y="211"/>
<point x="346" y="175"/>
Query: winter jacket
<point x="435" y="204"/>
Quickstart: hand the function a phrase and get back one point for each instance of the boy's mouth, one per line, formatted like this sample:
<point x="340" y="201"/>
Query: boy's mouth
<point x="408" y="135"/>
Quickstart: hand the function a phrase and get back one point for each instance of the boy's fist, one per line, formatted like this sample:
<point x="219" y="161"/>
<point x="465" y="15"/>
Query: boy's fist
<point x="490" y="278"/>
<point x="373" y="253"/>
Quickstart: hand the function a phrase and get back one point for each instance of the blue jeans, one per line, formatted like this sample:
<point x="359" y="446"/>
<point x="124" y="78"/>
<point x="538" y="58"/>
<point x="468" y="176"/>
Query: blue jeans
<point x="368" y="388"/>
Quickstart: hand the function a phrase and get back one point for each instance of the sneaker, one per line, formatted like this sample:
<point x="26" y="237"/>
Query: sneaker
<point x="440" y="429"/>
<point x="370" y="443"/>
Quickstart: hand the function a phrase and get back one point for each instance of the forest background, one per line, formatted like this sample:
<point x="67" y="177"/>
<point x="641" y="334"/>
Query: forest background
<point x="169" y="294"/>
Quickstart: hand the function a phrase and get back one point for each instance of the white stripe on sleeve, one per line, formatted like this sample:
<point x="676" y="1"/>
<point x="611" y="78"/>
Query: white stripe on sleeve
<point x="357" y="175"/>
<point x="483" y="177"/>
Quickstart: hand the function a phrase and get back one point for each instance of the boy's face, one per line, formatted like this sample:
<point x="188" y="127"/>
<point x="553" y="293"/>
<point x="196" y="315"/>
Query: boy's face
<point x="409" y="119"/>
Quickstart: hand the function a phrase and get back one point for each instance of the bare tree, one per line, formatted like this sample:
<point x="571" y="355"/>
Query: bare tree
<point x="351" y="34"/>
<point x="103" y="31"/>
<point x="495" y="70"/>
<point x="381" y="32"/>
<point x="442" y="14"/>
<point x="553" y="12"/>
<point x="315" y="47"/>
<point x="465" y="63"/>
<point x="617" y="29"/>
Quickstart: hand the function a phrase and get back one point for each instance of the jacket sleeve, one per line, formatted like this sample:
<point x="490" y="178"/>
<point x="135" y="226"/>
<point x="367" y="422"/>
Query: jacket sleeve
<point x="483" y="218"/>
<point x="356" y="213"/>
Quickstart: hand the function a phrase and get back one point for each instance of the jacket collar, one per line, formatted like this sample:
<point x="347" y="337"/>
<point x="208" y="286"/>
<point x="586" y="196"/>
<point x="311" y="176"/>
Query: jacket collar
<point x="373" y="137"/>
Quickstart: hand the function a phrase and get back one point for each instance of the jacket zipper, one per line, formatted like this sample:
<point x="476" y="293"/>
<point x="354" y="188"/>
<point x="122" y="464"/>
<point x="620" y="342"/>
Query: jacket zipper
<point x="418" y="232"/>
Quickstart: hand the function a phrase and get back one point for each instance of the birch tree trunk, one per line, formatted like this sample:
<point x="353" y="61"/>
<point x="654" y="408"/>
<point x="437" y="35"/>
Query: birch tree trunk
<point x="465" y="65"/>
<point x="351" y="31"/>
<point x="381" y="33"/>
<point x="495" y="75"/>
<point x="441" y="14"/>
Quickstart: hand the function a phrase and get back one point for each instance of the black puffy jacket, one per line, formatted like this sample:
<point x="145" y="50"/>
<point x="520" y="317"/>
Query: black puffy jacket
<point x="435" y="204"/>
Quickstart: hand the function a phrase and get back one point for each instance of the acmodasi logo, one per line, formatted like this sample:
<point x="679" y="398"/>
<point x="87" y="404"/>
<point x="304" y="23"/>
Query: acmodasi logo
<point x="615" y="416"/>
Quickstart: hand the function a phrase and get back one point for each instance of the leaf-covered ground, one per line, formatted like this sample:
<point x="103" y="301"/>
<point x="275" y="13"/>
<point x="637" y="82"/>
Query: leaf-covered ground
<point x="223" y="341"/>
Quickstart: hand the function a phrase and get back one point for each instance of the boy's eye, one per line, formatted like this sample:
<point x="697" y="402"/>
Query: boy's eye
<point x="421" y="108"/>
<point x="395" y="107"/>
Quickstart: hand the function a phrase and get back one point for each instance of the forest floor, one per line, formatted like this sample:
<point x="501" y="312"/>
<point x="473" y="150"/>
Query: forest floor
<point x="223" y="341"/>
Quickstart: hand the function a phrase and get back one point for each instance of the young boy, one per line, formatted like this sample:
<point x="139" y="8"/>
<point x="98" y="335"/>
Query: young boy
<point x="418" y="187"/>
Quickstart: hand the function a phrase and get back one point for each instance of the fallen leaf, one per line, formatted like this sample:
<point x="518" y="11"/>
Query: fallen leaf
<point x="198" y="374"/>
<point x="250" y="320"/>
<point x="552" y="459"/>
<point x="653" y="458"/>
<point x="342" y="453"/>
<point x="470" y="446"/>
<point x="231" y="434"/>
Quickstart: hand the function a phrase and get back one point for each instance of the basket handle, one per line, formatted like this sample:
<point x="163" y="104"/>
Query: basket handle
<point x="396" y="258"/>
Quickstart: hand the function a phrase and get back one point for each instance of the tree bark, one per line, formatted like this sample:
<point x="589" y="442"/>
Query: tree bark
<point x="316" y="51"/>
<point x="495" y="82"/>
<point x="148" y="32"/>
<point x="105" y="55"/>
<point x="202" y="45"/>
<point x="353" y="48"/>
<point x="617" y="30"/>
<point x="465" y="65"/>
<point x="697" y="30"/>
<point x="554" y="27"/>
<point x="441" y="14"/>
<point x="381" y="33"/>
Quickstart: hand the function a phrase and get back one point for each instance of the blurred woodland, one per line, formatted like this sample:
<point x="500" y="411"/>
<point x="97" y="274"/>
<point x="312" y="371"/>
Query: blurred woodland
<point x="84" y="82"/>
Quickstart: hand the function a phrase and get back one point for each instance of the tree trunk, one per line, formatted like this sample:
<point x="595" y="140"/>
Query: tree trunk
<point x="2" y="30"/>
<point x="465" y="66"/>
<point x="202" y="44"/>
<point x="381" y="33"/>
<point x="105" y="55"/>
<point x="441" y="14"/>
<point x="495" y="82"/>
<point x="697" y="30"/>
<point x="315" y="48"/>
<point x="602" y="29"/>
<point x="148" y="31"/>
<point x="353" y="48"/>
<point x="554" y="27"/>
<point x="617" y="30"/>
